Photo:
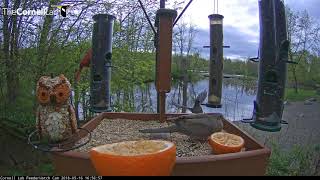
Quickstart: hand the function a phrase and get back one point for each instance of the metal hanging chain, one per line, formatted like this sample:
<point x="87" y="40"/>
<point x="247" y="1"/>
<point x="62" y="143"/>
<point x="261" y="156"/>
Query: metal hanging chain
<point x="163" y="5"/>
<point x="183" y="11"/>
<point x="149" y="21"/>
<point x="215" y="6"/>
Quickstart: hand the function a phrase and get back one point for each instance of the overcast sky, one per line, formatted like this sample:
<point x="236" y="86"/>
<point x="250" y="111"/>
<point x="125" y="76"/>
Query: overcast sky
<point x="241" y="23"/>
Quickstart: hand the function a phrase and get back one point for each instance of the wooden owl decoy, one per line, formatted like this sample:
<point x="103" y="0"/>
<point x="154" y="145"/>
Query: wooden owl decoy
<point x="56" y="120"/>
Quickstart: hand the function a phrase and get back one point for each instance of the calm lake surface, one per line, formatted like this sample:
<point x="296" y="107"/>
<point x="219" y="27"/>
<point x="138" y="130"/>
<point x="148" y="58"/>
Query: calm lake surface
<point x="237" y="100"/>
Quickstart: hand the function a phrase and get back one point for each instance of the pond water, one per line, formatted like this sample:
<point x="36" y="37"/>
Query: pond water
<point x="237" y="101"/>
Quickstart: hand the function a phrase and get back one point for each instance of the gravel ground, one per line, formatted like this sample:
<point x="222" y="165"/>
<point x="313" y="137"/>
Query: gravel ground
<point x="118" y="130"/>
<point x="303" y="128"/>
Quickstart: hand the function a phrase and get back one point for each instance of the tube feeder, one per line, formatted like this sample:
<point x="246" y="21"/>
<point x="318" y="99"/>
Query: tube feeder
<point x="101" y="63"/>
<point x="216" y="61"/>
<point x="274" y="47"/>
<point x="165" y="19"/>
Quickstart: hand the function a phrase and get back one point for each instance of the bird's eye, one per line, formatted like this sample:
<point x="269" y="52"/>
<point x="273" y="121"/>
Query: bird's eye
<point x="61" y="94"/>
<point x="43" y="94"/>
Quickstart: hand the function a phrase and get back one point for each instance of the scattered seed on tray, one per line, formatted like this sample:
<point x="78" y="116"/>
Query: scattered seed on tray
<point x="119" y="130"/>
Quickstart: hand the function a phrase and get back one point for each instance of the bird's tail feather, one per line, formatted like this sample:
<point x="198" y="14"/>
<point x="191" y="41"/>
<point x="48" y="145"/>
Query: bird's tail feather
<point x="170" y="129"/>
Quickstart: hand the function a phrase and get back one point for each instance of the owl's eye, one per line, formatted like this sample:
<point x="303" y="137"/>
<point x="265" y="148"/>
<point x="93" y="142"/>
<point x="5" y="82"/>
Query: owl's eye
<point x="62" y="93"/>
<point x="43" y="95"/>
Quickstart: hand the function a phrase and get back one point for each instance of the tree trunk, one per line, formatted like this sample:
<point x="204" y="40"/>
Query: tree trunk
<point x="184" y="85"/>
<point x="15" y="53"/>
<point x="42" y="46"/>
<point x="84" y="104"/>
<point x="6" y="39"/>
<point x="295" y="79"/>
<point x="11" y="53"/>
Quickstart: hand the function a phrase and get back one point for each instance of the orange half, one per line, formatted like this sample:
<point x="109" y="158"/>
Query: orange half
<point x="224" y="143"/>
<point x="134" y="158"/>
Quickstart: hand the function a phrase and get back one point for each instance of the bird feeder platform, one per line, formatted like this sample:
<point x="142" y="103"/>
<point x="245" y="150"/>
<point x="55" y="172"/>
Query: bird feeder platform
<point x="253" y="161"/>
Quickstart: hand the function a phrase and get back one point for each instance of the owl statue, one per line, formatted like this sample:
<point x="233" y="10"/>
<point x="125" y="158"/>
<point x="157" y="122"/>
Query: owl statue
<point x="56" y="120"/>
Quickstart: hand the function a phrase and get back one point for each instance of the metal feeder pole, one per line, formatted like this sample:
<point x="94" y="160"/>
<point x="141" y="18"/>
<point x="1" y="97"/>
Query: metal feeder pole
<point x="216" y="61"/>
<point x="101" y="63"/>
<point x="164" y="23"/>
<point x="162" y="6"/>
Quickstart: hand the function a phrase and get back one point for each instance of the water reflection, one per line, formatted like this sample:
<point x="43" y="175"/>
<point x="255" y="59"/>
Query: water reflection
<point x="238" y="96"/>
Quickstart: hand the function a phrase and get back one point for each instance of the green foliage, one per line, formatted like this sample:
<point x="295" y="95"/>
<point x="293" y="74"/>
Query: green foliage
<point x="302" y="95"/>
<point x="46" y="169"/>
<point x="307" y="71"/>
<point x="299" y="161"/>
<point x="16" y="172"/>
<point x="131" y="69"/>
<point x="195" y="64"/>
<point x="240" y="67"/>
<point x="43" y="169"/>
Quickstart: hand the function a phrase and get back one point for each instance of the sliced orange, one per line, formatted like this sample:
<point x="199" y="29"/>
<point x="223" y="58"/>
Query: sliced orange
<point x="224" y="143"/>
<point x="134" y="158"/>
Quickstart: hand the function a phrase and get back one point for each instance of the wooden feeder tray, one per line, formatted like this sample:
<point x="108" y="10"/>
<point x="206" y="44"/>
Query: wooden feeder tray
<point x="251" y="162"/>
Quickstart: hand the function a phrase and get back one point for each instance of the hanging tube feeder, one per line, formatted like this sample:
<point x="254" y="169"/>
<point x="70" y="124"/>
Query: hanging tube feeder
<point x="273" y="56"/>
<point x="101" y="63"/>
<point x="216" y="61"/>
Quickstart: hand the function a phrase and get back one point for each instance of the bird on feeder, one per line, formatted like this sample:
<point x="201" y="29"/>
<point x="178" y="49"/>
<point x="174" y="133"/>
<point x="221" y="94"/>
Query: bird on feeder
<point x="196" y="126"/>
<point x="196" y="109"/>
<point x="85" y="62"/>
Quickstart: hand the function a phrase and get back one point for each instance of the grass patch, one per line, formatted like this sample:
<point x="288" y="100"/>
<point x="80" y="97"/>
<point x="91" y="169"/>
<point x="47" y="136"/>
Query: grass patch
<point x="302" y="94"/>
<point x="46" y="169"/>
<point x="43" y="169"/>
<point x="16" y="172"/>
<point x="299" y="161"/>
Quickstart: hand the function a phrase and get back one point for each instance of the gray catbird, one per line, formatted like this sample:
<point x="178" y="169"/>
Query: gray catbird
<point x="196" y="109"/>
<point x="199" y="126"/>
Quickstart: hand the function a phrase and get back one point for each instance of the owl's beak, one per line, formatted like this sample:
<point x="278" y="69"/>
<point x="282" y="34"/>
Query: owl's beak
<point x="53" y="99"/>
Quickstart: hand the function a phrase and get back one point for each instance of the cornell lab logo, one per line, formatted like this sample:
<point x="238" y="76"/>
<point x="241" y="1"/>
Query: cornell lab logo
<point x="25" y="12"/>
<point x="35" y="12"/>
<point x="63" y="9"/>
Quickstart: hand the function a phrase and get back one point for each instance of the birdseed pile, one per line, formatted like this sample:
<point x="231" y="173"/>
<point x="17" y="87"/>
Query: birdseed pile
<point x="119" y="130"/>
